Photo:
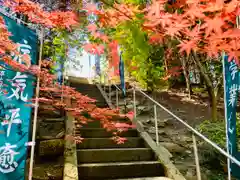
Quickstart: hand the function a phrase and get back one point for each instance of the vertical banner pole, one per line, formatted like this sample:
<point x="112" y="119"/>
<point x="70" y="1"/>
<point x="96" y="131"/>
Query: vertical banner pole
<point x="36" y="108"/>
<point x="134" y="102"/>
<point x="156" y="123"/>
<point x="226" y="118"/>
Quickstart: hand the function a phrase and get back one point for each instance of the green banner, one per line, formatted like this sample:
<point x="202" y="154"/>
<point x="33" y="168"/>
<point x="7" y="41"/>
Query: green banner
<point x="16" y="89"/>
<point x="231" y="76"/>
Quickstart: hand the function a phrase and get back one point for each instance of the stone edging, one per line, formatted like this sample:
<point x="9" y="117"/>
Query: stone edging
<point x="162" y="153"/>
<point x="70" y="171"/>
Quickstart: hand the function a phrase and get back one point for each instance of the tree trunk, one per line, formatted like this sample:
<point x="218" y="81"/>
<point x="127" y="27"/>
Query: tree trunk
<point x="213" y="103"/>
<point x="214" y="107"/>
<point x="216" y="94"/>
<point x="186" y="76"/>
<point x="210" y="88"/>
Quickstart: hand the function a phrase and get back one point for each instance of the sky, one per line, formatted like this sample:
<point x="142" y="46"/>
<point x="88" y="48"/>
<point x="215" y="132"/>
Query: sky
<point x="84" y="66"/>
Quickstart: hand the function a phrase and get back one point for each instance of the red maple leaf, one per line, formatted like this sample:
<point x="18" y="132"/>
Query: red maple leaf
<point x="96" y="34"/>
<point x="156" y="38"/>
<point x="91" y="8"/>
<point x="104" y="38"/>
<point x="173" y="31"/>
<point x="92" y="27"/>
<point x="187" y="46"/>
<point x="213" y="25"/>
<point x="194" y="33"/>
<point x="233" y="56"/>
<point x="213" y="6"/>
<point x="194" y="12"/>
<point x="154" y="10"/>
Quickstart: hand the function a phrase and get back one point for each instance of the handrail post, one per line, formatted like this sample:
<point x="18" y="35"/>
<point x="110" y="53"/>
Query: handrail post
<point x="109" y="90"/>
<point x="104" y="83"/>
<point x="156" y="123"/>
<point x="117" y="97"/>
<point x="196" y="157"/>
<point x="134" y="102"/>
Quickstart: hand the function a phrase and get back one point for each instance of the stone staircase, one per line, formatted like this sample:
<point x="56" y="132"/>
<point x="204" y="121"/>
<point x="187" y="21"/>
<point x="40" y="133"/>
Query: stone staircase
<point x="91" y="91"/>
<point x="99" y="158"/>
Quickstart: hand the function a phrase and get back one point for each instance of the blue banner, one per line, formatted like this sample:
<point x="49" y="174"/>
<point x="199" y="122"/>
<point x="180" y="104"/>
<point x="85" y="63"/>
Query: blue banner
<point x="16" y="89"/>
<point x="97" y="65"/>
<point x="121" y="72"/>
<point x="231" y="79"/>
<point x="59" y="69"/>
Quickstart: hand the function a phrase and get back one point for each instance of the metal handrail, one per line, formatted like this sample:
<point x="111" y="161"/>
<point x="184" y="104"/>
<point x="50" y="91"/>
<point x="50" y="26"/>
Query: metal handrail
<point x="192" y="129"/>
<point x="117" y="87"/>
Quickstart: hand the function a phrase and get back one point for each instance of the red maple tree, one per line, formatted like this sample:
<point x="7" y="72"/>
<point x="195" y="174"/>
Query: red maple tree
<point x="50" y="91"/>
<point x="200" y="29"/>
<point x="203" y="26"/>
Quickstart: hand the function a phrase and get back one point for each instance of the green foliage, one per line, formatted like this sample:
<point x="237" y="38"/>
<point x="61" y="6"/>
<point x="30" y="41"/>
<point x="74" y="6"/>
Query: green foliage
<point x="134" y="2"/>
<point x="137" y="2"/>
<point x="201" y="91"/>
<point x="56" y="44"/>
<point x="198" y="90"/>
<point x="217" y="177"/>
<point x="137" y="52"/>
<point x="215" y="131"/>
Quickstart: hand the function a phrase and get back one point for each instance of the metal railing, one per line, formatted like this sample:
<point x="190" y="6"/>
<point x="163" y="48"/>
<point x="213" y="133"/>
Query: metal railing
<point x="156" y="105"/>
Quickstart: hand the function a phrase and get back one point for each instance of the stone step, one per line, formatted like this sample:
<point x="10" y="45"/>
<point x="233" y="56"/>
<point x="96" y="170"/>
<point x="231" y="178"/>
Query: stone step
<point x="53" y="120"/>
<point x="51" y="147"/>
<point x="129" y="102"/>
<point x="102" y="133"/>
<point x="114" y="155"/>
<point x="94" y="143"/>
<point x="49" y="113"/>
<point x="87" y="89"/>
<point x="97" y="123"/>
<point x="43" y="169"/>
<point x="100" y="104"/>
<point x="147" y="178"/>
<point x="91" y="124"/>
<point x="103" y="171"/>
<point x="91" y="91"/>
